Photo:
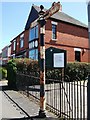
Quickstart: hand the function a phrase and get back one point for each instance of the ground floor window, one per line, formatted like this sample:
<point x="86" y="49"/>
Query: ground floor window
<point x="78" y="56"/>
<point x="33" y="54"/>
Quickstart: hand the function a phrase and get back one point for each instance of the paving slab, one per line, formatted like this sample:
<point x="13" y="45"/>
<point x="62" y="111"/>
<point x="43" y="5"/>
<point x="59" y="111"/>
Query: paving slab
<point x="9" y="110"/>
<point x="28" y="105"/>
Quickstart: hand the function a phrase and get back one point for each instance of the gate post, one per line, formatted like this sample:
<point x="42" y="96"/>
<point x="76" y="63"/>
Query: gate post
<point x="88" y="98"/>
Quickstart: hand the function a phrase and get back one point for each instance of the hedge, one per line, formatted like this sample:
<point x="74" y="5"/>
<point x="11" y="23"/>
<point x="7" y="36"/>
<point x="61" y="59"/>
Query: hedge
<point x="30" y="67"/>
<point x="11" y="73"/>
<point x="72" y="70"/>
<point x="3" y="73"/>
<point x="82" y="70"/>
<point x="27" y="66"/>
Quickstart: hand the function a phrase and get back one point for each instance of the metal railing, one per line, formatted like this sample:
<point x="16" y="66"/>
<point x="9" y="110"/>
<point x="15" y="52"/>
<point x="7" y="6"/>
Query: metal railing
<point x="67" y="99"/>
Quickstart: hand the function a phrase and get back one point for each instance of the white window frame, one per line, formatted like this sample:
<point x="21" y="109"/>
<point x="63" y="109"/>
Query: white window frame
<point x="54" y="23"/>
<point x="34" y="32"/>
<point x="77" y="49"/>
<point x="14" y="45"/>
<point x="22" y="41"/>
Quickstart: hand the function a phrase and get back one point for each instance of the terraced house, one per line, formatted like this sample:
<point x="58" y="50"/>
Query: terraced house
<point x="6" y="54"/>
<point x="61" y="31"/>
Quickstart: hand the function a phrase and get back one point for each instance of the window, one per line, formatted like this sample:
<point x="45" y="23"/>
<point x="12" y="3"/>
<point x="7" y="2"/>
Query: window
<point x="33" y="33"/>
<point x="54" y="36"/>
<point x="77" y="56"/>
<point x="33" y="54"/>
<point x="36" y="43"/>
<point x="22" y="41"/>
<point x="33" y="44"/>
<point x="36" y="32"/>
<point x="14" y="45"/>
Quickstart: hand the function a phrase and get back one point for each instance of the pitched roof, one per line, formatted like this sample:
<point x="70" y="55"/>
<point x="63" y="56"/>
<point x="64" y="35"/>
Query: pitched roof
<point x="64" y="17"/>
<point x="17" y="36"/>
<point x="33" y="15"/>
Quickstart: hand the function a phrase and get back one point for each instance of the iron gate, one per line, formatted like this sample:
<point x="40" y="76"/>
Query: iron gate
<point x="65" y="98"/>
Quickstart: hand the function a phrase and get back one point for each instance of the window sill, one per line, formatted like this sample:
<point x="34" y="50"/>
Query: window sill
<point x="33" y="39"/>
<point x="54" y="39"/>
<point x="21" y="47"/>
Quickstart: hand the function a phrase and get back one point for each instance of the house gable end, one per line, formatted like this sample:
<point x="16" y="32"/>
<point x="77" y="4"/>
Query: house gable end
<point x="32" y="16"/>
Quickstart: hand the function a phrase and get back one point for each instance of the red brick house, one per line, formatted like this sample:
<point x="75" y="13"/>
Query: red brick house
<point x="61" y="31"/>
<point x="0" y="58"/>
<point x="19" y="45"/>
<point x="6" y="53"/>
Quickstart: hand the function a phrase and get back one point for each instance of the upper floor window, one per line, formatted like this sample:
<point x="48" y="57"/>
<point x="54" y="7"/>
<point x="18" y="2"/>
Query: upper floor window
<point x="33" y="33"/>
<point x="14" y="45"/>
<point x="22" y="41"/>
<point x="54" y="30"/>
<point x="33" y="44"/>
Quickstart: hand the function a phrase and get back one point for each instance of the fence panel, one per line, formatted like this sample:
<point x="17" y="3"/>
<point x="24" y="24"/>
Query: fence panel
<point x="65" y="98"/>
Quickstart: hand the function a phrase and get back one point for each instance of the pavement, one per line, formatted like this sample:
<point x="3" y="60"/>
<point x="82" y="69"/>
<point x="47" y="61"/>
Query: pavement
<point x="3" y="83"/>
<point x="14" y="105"/>
<point x="8" y="108"/>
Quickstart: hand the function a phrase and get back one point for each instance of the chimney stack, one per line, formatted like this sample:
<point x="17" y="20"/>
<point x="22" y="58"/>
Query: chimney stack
<point x="60" y="7"/>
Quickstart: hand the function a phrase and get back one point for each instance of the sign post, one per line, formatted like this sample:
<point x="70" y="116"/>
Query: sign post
<point x="42" y="17"/>
<point x="42" y="65"/>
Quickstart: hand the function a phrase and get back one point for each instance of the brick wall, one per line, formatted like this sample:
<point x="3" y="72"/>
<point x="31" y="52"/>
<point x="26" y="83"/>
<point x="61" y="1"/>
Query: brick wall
<point x="18" y="44"/>
<point x="68" y="37"/>
<point x="26" y="39"/>
<point x="12" y="44"/>
<point x="25" y="47"/>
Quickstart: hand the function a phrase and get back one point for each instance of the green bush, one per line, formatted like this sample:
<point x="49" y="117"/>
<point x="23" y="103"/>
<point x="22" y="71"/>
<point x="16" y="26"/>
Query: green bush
<point x="30" y="67"/>
<point x="27" y="66"/>
<point x="53" y="74"/>
<point x="78" y="69"/>
<point x="20" y="64"/>
<point x="72" y="70"/>
<point x="3" y="73"/>
<point x="11" y="74"/>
